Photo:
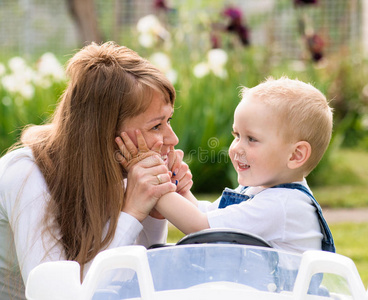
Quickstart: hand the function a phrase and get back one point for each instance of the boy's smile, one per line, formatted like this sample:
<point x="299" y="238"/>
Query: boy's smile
<point x="259" y="152"/>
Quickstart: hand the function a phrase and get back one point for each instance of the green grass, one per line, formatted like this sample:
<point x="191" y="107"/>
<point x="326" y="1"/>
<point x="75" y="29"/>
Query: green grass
<point x="347" y="180"/>
<point x="351" y="240"/>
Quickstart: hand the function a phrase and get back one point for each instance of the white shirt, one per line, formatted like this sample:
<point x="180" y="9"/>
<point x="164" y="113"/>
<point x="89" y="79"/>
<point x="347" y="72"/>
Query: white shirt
<point x="24" y="240"/>
<point x="286" y="218"/>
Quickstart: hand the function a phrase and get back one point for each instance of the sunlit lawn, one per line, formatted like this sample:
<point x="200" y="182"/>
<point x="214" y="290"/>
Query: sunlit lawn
<point x="350" y="189"/>
<point x="352" y="240"/>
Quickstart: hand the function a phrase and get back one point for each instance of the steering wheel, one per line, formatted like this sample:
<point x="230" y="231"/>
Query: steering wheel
<point x="223" y="236"/>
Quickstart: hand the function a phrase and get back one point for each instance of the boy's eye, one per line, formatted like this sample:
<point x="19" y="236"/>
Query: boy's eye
<point x="251" y="139"/>
<point x="235" y="134"/>
<point x="169" y="120"/>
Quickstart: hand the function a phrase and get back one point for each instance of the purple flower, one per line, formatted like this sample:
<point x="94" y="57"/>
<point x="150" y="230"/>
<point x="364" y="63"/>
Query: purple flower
<point x="236" y="25"/>
<point x="315" y="46"/>
<point x="161" y="4"/>
<point x="233" y="13"/>
<point x="215" y="41"/>
<point x="305" y="2"/>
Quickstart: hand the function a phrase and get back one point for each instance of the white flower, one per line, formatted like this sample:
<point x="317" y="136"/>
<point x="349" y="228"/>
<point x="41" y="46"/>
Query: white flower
<point x="48" y="65"/>
<point x="2" y="69"/>
<point x="217" y="57"/>
<point x="17" y="64"/>
<point x="150" y="30"/>
<point x="44" y="82"/>
<point x="10" y="83"/>
<point x="161" y="60"/>
<point x="216" y="61"/>
<point x="220" y="72"/>
<point x="200" y="70"/>
<point x="146" y="40"/>
<point x="27" y="91"/>
<point x="163" y="63"/>
<point x="149" y="23"/>
<point x="297" y="65"/>
<point x="19" y="83"/>
<point x="172" y="75"/>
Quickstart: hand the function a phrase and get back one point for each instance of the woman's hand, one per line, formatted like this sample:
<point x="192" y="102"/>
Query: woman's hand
<point x="148" y="177"/>
<point x="148" y="180"/>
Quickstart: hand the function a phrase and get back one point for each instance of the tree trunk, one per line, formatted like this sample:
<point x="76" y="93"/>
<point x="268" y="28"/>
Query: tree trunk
<point x="84" y="15"/>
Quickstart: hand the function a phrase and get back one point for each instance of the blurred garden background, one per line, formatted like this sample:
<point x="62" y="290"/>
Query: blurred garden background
<point x="208" y="49"/>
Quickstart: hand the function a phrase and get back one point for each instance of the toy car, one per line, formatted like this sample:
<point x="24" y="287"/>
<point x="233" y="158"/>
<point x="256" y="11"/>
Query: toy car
<point x="211" y="264"/>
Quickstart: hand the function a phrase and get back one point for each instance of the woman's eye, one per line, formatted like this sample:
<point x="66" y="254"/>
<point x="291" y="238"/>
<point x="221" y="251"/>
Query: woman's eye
<point x="156" y="127"/>
<point x="169" y="120"/>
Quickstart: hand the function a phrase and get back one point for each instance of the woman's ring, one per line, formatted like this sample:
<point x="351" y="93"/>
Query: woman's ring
<point x="159" y="179"/>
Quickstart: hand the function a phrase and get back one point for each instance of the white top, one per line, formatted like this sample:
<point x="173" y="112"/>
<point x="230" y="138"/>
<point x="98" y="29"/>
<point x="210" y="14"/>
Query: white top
<point x="286" y="218"/>
<point x="24" y="242"/>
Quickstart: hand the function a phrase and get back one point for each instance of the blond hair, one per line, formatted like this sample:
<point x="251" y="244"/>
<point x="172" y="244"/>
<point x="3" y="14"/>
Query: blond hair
<point x="303" y="111"/>
<point x="75" y="152"/>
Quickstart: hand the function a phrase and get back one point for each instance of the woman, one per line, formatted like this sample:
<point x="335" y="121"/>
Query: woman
<point x="62" y="191"/>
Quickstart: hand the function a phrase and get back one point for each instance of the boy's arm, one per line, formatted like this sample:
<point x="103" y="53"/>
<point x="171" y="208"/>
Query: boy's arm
<point x="189" y="196"/>
<point x="182" y="213"/>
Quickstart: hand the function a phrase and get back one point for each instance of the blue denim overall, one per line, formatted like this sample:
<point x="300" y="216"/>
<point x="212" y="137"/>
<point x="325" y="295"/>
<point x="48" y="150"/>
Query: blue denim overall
<point x="230" y="197"/>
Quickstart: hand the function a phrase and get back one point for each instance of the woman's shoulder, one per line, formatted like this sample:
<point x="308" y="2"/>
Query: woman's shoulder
<point x="16" y="162"/>
<point x="20" y="155"/>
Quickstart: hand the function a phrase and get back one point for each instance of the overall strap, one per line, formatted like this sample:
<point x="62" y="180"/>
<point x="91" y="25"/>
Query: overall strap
<point x="327" y="241"/>
<point x="230" y="197"/>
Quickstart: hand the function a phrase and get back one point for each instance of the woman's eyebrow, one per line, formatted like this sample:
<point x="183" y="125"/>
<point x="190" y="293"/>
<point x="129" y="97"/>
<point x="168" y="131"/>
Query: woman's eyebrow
<point x="156" y="119"/>
<point x="159" y="118"/>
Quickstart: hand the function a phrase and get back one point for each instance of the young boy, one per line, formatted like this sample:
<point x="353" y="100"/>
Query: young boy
<point x="281" y="130"/>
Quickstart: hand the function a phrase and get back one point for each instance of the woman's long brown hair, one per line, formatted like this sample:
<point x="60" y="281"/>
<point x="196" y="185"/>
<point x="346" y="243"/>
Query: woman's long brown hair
<point x="76" y="151"/>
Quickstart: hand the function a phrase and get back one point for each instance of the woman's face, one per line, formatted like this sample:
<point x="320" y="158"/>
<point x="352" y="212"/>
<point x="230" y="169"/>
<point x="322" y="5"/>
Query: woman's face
<point x="154" y="124"/>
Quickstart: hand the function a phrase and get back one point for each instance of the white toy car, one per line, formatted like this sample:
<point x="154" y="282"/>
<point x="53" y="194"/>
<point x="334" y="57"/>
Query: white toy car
<point x="218" y="264"/>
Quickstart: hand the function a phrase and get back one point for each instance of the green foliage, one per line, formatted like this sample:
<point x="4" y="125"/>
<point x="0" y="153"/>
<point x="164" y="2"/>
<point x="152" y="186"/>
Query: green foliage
<point x="28" y="95"/>
<point x="205" y="106"/>
<point x="16" y="112"/>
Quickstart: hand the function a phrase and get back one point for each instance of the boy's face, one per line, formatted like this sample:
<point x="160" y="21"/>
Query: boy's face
<point x="259" y="152"/>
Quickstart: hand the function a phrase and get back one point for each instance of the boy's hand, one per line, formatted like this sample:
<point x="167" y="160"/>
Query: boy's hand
<point x="130" y="154"/>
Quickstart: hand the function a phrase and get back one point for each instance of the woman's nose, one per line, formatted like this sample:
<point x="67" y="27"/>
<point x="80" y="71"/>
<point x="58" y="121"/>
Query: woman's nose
<point x="170" y="137"/>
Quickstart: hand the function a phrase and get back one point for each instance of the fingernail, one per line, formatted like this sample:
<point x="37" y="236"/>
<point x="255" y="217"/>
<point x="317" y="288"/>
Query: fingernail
<point x="176" y="182"/>
<point x="175" y="172"/>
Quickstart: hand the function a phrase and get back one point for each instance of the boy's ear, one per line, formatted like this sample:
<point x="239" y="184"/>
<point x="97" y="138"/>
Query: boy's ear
<point x="301" y="153"/>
